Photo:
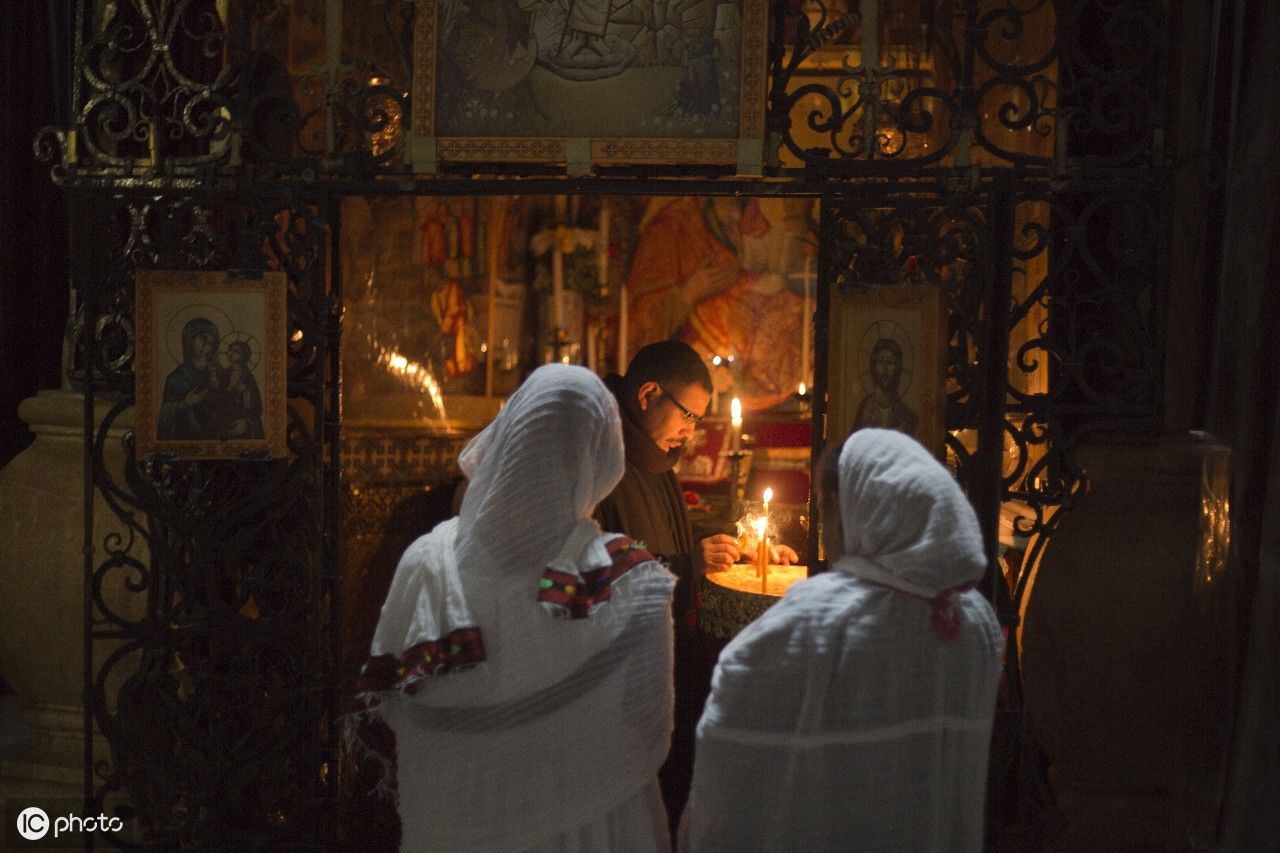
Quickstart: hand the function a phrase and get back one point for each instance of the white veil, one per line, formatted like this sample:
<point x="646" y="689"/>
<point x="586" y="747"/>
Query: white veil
<point x="559" y="720"/>
<point x="554" y="452"/>
<point x="842" y="719"/>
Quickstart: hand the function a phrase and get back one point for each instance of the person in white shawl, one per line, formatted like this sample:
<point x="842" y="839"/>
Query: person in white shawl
<point x="507" y="728"/>
<point x="856" y="713"/>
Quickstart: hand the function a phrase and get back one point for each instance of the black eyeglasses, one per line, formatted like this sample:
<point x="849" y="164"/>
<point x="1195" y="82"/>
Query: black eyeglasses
<point x="688" y="415"/>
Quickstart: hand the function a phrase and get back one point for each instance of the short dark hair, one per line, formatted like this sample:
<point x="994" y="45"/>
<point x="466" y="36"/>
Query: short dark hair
<point x="669" y="362"/>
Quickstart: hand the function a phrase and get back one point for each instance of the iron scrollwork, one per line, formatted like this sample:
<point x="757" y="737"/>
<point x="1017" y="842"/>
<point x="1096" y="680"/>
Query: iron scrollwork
<point x="964" y="82"/>
<point x="214" y="685"/>
<point x="213" y="630"/>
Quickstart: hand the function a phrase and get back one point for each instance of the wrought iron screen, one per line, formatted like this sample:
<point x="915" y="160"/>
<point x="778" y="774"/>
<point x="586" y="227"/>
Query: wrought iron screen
<point x="213" y="683"/>
<point x="1012" y="148"/>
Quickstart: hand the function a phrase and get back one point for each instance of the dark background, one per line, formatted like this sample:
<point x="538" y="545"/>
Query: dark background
<point x="34" y="286"/>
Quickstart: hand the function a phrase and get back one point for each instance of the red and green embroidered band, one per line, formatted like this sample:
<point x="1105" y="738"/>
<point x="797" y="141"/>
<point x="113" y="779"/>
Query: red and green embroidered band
<point x="456" y="649"/>
<point x="577" y="596"/>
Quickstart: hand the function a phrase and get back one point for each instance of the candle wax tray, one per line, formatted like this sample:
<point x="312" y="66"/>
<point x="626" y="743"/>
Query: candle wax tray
<point x="732" y="598"/>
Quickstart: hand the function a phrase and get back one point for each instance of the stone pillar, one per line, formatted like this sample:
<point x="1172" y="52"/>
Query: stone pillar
<point x="1113" y="669"/>
<point x="42" y="598"/>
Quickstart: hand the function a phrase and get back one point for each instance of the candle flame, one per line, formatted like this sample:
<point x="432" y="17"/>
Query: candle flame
<point x="735" y="411"/>
<point x="761" y="524"/>
<point x="803" y="390"/>
<point x="768" y="496"/>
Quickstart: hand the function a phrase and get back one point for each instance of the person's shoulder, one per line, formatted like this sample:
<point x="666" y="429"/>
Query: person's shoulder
<point x="826" y="588"/>
<point x="440" y="536"/>
<point x="803" y="604"/>
<point x="809" y="606"/>
<point x="625" y="552"/>
<point x="794" y="628"/>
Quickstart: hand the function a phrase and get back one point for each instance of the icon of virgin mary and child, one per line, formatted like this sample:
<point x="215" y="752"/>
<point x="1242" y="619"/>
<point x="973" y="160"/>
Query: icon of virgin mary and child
<point x="205" y="399"/>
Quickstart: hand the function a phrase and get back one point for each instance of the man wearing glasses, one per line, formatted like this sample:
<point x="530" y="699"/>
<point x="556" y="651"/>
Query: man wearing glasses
<point x="663" y="395"/>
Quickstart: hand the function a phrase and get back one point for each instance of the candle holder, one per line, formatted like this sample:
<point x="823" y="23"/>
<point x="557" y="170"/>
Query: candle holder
<point x="803" y="401"/>
<point x="561" y="348"/>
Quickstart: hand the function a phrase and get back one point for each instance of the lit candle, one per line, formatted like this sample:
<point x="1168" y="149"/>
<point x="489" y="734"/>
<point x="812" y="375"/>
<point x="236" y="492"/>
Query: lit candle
<point x="803" y="389"/>
<point x="763" y="556"/>
<point x="715" y="395"/>
<point x="735" y="419"/>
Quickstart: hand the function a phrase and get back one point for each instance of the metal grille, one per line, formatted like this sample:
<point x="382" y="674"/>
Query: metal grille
<point x="214" y="687"/>
<point x="1012" y="148"/>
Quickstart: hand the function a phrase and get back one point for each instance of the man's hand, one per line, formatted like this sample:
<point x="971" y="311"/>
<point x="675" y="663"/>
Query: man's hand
<point x="718" y="552"/>
<point x="782" y="555"/>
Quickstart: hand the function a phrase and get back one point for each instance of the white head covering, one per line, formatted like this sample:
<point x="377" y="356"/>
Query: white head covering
<point x="906" y="523"/>
<point x="841" y="719"/>
<point x="553" y="452"/>
<point x="555" y="720"/>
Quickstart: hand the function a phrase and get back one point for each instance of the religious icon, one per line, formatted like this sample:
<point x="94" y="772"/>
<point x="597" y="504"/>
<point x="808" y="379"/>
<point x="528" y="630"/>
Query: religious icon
<point x="732" y="278"/>
<point x="888" y="361"/>
<point x="543" y="80"/>
<point x="882" y="405"/>
<point x="210" y="365"/>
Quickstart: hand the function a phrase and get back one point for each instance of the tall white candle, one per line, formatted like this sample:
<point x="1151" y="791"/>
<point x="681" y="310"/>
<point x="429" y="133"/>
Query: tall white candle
<point x="622" y="327"/>
<point x="806" y="320"/>
<point x="557" y="287"/>
<point x="604" y="245"/>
